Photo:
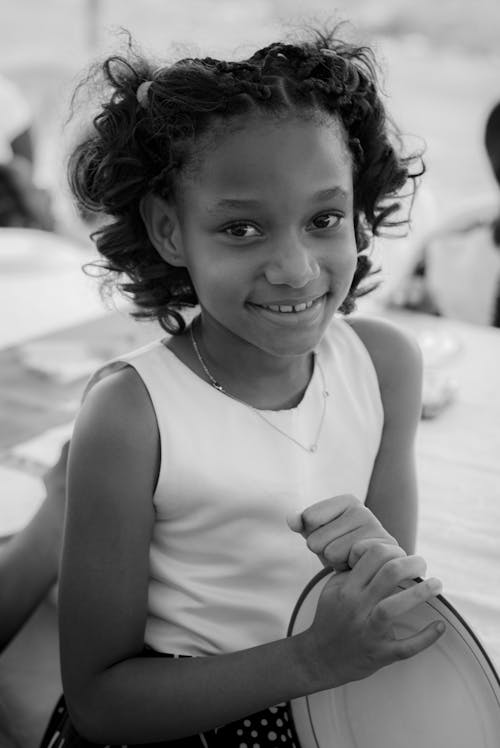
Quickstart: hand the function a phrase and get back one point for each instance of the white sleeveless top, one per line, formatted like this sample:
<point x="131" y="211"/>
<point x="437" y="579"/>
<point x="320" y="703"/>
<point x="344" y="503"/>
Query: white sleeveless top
<point x="225" y="569"/>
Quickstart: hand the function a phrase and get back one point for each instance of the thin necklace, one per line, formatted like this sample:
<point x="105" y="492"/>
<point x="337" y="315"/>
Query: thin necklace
<point x="217" y="385"/>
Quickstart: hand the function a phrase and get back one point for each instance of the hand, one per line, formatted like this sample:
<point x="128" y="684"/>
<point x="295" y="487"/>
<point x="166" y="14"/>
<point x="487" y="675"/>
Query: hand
<point x="352" y="635"/>
<point x="55" y="486"/>
<point x="338" y="529"/>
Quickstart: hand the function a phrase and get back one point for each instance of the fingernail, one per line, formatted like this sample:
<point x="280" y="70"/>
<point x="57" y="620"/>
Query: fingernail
<point x="435" y="586"/>
<point x="440" y="627"/>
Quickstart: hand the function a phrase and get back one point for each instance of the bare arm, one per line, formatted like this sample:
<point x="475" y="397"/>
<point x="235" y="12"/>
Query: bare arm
<point x="115" y="695"/>
<point x="103" y="594"/>
<point x="29" y="561"/>
<point x="392" y="494"/>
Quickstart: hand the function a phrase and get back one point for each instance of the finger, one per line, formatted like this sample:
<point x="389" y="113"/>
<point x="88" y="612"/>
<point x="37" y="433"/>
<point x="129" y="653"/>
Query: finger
<point x="337" y="553"/>
<point x="314" y="516"/>
<point x="63" y="456"/>
<point x="327" y="510"/>
<point x="350" y="526"/>
<point x="402" y="649"/>
<point x="384" y="613"/>
<point x="64" y="451"/>
<point x="359" y="547"/>
<point x="355" y="523"/>
<point x="394" y="572"/>
<point x="376" y="556"/>
<point x="57" y="472"/>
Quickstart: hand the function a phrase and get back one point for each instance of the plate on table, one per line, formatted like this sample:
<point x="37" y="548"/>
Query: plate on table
<point x="447" y="696"/>
<point x="438" y="347"/>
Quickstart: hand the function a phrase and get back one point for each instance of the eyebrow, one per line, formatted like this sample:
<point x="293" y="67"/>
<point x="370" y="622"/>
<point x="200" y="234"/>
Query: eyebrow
<point x="234" y="203"/>
<point x="331" y="192"/>
<point x="224" y="203"/>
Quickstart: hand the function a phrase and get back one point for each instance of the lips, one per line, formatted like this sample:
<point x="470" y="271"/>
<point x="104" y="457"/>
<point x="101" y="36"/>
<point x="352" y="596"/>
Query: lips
<point x="287" y="308"/>
<point x="290" y="308"/>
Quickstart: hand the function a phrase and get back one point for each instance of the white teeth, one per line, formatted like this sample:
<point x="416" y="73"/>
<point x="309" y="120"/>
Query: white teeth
<point x="287" y="308"/>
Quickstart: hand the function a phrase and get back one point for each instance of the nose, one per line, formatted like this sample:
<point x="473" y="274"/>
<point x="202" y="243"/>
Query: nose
<point x="292" y="264"/>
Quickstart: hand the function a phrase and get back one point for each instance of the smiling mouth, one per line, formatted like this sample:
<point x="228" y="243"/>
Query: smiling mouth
<point x="290" y="308"/>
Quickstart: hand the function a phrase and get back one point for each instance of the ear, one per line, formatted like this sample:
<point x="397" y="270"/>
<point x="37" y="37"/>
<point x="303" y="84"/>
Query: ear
<point x="163" y="227"/>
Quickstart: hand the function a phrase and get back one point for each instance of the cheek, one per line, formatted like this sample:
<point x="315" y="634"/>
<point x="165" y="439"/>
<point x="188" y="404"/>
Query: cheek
<point x="353" y="262"/>
<point x="214" y="280"/>
<point x="346" y="274"/>
<point x="215" y="271"/>
<point x="343" y="263"/>
<point x="351" y="253"/>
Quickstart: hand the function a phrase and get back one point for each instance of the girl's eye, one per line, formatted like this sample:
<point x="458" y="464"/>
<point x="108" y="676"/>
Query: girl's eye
<point x="327" y="221"/>
<point x="241" y="230"/>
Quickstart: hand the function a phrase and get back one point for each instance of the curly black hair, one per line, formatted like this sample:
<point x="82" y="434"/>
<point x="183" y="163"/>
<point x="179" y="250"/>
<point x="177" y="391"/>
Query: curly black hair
<point x="151" y="126"/>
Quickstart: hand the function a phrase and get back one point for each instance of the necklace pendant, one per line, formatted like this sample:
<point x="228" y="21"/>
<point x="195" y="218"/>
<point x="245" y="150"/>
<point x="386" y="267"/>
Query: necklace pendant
<point x="215" y="384"/>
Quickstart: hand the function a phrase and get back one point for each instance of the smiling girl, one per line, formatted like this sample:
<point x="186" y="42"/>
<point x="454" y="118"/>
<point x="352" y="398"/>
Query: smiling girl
<point x="249" y="190"/>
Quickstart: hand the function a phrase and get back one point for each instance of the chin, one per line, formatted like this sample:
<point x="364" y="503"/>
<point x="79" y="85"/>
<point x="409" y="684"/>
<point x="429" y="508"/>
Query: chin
<point x="294" y="343"/>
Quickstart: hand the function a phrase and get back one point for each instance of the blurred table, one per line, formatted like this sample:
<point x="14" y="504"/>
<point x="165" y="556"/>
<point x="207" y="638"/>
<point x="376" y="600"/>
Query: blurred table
<point x="458" y="462"/>
<point x="41" y="384"/>
<point x="42" y="284"/>
<point x="42" y="379"/>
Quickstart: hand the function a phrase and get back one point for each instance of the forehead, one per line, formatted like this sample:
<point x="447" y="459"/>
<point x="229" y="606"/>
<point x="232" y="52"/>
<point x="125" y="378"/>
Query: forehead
<point x="262" y="155"/>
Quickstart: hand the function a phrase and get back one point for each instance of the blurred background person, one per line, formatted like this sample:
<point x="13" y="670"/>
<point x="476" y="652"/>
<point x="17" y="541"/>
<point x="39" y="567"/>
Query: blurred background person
<point x="23" y="204"/>
<point x="457" y="272"/>
<point x="16" y="123"/>
<point x="29" y="560"/>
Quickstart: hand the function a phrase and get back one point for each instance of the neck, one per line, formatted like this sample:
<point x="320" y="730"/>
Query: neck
<point x="262" y="380"/>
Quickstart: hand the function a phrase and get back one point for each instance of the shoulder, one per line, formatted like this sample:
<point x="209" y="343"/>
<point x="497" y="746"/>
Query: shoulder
<point x="119" y="396"/>
<point x="383" y="339"/>
<point x="117" y="420"/>
<point x="396" y="357"/>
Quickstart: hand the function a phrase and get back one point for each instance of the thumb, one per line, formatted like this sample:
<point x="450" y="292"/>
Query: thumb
<point x="294" y="521"/>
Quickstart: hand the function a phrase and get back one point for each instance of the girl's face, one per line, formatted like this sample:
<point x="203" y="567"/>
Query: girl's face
<point x="265" y="229"/>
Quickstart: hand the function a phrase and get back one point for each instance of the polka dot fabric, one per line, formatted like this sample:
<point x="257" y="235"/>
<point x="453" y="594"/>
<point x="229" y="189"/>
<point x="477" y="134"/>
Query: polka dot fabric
<point x="271" y="727"/>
